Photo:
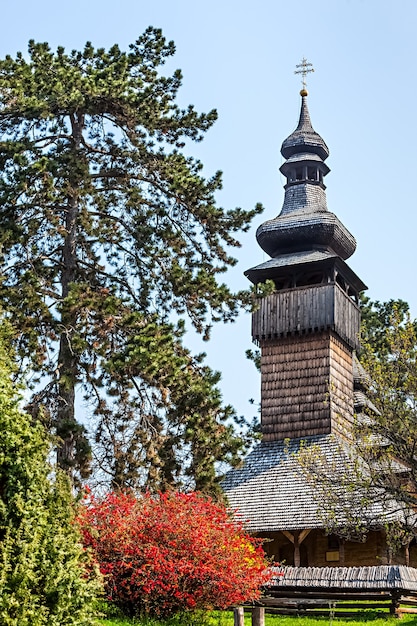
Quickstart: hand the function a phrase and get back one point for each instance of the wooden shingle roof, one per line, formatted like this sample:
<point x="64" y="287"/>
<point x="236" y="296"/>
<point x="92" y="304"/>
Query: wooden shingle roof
<point x="378" y="578"/>
<point x="304" y="138"/>
<point x="270" y="492"/>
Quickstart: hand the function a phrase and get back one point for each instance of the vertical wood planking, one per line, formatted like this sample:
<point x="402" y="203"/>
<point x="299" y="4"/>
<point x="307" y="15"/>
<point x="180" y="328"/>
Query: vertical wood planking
<point x="307" y="309"/>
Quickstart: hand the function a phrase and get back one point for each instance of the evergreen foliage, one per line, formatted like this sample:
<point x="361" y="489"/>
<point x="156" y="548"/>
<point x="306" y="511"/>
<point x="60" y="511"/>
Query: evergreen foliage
<point x="377" y="317"/>
<point x="110" y="234"/>
<point x="43" y="575"/>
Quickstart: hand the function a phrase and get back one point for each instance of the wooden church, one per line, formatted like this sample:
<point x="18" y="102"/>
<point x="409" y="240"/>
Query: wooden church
<point x="311" y="381"/>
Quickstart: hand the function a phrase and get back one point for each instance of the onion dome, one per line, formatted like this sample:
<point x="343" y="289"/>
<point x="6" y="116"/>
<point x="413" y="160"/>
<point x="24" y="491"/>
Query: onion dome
<point x="304" y="223"/>
<point x="304" y="136"/>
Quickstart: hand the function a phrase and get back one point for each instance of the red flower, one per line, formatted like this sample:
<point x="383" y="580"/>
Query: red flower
<point x="174" y="551"/>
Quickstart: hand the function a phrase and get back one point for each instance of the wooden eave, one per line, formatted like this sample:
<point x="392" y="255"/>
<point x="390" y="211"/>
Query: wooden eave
<point x="271" y="270"/>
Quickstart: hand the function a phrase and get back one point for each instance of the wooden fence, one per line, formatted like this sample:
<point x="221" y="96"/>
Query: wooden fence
<point x="333" y="603"/>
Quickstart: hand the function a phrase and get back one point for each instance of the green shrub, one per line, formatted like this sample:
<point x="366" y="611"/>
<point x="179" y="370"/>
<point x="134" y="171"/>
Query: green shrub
<point x="44" y="578"/>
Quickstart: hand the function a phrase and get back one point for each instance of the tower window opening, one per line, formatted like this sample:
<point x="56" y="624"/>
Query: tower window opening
<point x="340" y="281"/>
<point x="299" y="174"/>
<point x="312" y="173"/>
<point x="317" y="278"/>
<point x="291" y="176"/>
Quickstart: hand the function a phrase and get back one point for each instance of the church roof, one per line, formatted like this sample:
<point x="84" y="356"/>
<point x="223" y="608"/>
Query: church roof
<point x="302" y="225"/>
<point x="361" y="377"/>
<point x="299" y="261"/>
<point x="271" y="492"/>
<point x="296" y="258"/>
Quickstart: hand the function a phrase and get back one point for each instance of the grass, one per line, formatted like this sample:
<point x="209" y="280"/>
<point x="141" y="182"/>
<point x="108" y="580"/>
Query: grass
<point x="225" y="618"/>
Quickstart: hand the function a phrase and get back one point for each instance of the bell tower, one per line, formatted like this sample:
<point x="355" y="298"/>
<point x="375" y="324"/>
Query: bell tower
<point x="308" y="328"/>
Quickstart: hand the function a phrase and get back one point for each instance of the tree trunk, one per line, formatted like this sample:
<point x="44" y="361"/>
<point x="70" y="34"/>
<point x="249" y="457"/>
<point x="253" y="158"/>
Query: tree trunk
<point x="65" y="417"/>
<point x="66" y="424"/>
<point x="407" y="553"/>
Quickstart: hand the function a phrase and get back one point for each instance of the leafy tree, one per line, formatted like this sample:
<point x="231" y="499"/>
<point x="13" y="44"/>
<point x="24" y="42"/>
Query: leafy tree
<point x="43" y="574"/>
<point x="109" y="233"/>
<point x="378" y="485"/>
<point x="389" y="437"/>
<point x="174" y="552"/>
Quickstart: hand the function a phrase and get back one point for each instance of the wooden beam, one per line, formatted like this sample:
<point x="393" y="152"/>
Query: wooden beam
<point x="297" y="559"/>
<point x="304" y="534"/>
<point x="301" y="535"/>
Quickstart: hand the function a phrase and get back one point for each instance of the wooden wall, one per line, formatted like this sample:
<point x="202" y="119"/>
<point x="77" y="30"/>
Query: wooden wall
<point x="341" y="386"/>
<point x="307" y="309"/>
<point x="319" y="550"/>
<point x="306" y="386"/>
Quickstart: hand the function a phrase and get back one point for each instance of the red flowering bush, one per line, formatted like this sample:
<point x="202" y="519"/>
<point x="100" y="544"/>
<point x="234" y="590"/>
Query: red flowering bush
<point x="164" y="554"/>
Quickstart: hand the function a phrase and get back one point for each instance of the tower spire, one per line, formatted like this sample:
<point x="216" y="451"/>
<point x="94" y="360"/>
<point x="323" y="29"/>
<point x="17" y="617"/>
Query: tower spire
<point x="308" y="327"/>
<point x="304" y="224"/>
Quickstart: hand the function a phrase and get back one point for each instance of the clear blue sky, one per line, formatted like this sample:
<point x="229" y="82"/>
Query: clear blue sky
<point x="239" y="57"/>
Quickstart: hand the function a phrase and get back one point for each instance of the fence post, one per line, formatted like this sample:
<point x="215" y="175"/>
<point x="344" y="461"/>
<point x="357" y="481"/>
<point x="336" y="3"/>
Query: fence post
<point x="238" y="616"/>
<point x="258" y="616"/>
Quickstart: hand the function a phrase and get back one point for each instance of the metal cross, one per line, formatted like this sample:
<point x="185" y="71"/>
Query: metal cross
<point x="304" y="68"/>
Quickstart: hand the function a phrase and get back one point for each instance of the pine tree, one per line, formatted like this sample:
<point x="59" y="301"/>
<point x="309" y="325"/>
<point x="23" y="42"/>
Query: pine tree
<point x="377" y="318"/>
<point x="44" y="578"/>
<point x="110" y="235"/>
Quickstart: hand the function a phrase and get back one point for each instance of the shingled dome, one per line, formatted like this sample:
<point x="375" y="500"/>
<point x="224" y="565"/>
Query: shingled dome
<point x="304" y="223"/>
<point x="304" y="136"/>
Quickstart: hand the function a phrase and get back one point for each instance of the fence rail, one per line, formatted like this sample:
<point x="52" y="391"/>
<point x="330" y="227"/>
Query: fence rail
<point x="330" y="603"/>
